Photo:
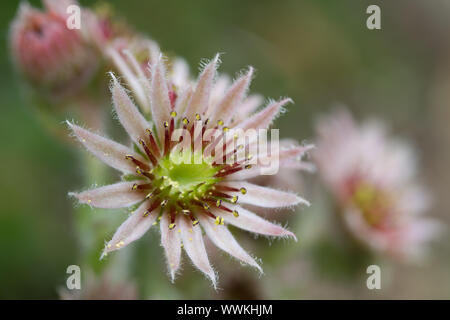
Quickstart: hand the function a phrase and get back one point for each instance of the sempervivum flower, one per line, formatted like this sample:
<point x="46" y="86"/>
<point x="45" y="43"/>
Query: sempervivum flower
<point x="186" y="196"/>
<point x="51" y="56"/>
<point x="372" y="178"/>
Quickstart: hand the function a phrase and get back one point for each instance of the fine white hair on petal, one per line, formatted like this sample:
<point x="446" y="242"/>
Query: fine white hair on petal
<point x="129" y="116"/>
<point x="250" y="221"/>
<point x="159" y="96"/>
<point x="195" y="248"/>
<point x="222" y="238"/>
<point x="263" y="196"/>
<point x="134" y="80"/>
<point x="118" y="195"/>
<point x="133" y="228"/>
<point x="200" y="97"/>
<point x="171" y="242"/>
<point x="110" y="152"/>
<point x="265" y="117"/>
<point x="232" y="98"/>
<point x="248" y="106"/>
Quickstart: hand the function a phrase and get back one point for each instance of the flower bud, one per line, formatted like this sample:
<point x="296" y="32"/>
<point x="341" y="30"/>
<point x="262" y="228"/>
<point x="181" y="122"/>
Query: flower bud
<point x="52" y="57"/>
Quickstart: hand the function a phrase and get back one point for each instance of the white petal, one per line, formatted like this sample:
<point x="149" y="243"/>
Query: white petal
<point x="264" y="197"/>
<point x="200" y="97"/>
<point x="249" y="221"/>
<point x="232" y="98"/>
<point x="223" y="238"/>
<point x="159" y="96"/>
<point x="195" y="248"/>
<point x="183" y="100"/>
<point x="130" y="117"/>
<point x="133" y="228"/>
<point x="248" y="106"/>
<point x="289" y="157"/>
<point x="117" y="195"/>
<point x="110" y="152"/>
<point x="264" y="118"/>
<point x="171" y="242"/>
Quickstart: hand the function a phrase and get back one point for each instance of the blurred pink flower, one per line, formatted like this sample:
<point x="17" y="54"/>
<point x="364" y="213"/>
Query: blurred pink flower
<point x="51" y="56"/>
<point x="185" y="198"/>
<point x="372" y="178"/>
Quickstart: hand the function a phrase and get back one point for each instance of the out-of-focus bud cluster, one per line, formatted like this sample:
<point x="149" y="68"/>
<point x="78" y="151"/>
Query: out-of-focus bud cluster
<point x="53" y="58"/>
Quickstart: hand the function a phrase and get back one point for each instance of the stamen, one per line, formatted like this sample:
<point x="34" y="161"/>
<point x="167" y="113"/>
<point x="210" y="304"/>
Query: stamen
<point x="166" y="138"/>
<point x="144" y="186"/>
<point x="140" y="164"/>
<point x="235" y="213"/>
<point x="153" y="145"/>
<point x="145" y="173"/>
<point x="243" y="190"/>
<point x="148" y="153"/>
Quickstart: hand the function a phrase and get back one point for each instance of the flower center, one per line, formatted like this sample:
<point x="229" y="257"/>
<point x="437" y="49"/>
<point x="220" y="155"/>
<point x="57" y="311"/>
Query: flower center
<point x="373" y="203"/>
<point x="186" y="181"/>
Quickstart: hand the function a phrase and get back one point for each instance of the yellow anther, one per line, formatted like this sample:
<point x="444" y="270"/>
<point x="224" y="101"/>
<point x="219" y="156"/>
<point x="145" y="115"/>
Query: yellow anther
<point x="164" y="202"/>
<point x="219" y="221"/>
<point x="171" y="226"/>
<point x="128" y="157"/>
<point x="206" y="206"/>
<point x="182" y="246"/>
<point x="159" y="218"/>
<point x="89" y="201"/>
<point x="197" y="116"/>
<point x="139" y="171"/>
<point x="185" y="211"/>
<point x="225" y="129"/>
<point x="173" y="114"/>
<point x="248" y="166"/>
<point x="166" y="124"/>
<point x="243" y="190"/>
<point x="134" y="187"/>
<point x="148" y="131"/>
<point x="240" y="147"/>
<point x="146" y="213"/>
<point x="235" y="213"/>
<point x="179" y="230"/>
<point x="190" y="239"/>
<point x="155" y="223"/>
<point x="234" y="199"/>
<point x="109" y="245"/>
<point x="190" y="230"/>
<point x="185" y="120"/>
<point x="220" y="122"/>
<point x="218" y="203"/>
<point x="149" y="196"/>
<point x="195" y="222"/>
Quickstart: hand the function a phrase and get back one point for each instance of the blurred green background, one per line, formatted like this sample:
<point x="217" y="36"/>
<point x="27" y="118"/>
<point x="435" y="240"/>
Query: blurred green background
<point x="320" y="53"/>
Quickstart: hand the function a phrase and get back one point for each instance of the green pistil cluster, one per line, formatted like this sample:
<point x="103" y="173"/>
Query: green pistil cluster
<point x="372" y="202"/>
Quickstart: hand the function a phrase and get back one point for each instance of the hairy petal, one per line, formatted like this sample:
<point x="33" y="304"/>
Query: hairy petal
<point x="264" y="118"/>
<point x="247" y="107"/>
<point x="130" y="117"/>
<point x="249" y="221"/>
<point x="110" y="152"/>
<point x="159" y="96"/>
<point x="132" y="229"/>
<point x="118" y="195"/>
<point x="232" y="99"/>
<point x="289" y="157"/>
<point x="265" y="197"/>
<point x="200" y="97"/>
<point x="223" y="239"/>
<point x="171" y="242"/>
<point x="195" y="247"/>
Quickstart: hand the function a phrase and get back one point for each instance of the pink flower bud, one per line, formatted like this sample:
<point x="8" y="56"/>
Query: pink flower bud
<point x="49" y="55"/>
